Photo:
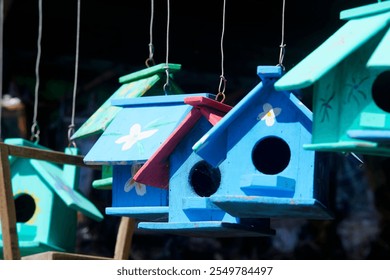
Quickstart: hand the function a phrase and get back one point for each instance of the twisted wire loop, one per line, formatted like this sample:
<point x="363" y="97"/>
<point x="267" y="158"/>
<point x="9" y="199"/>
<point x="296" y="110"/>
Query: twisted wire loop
<point x="221" y="89"/>
<point x="35" y="131"/>
<point x="222" y="80"/>
<point x="71" y="130"/>
<point x="71" y="127"/>
<point x="167" y="85"/>
<point x="282" y="45"/>
<point x="150" y="60"/>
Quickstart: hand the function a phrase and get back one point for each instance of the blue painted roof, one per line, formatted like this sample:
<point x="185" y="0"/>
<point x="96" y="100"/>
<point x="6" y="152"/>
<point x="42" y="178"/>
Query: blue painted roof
<point x="213" y="141"/>
<point x="364" y="23"/>
<point x="139" y="129"/>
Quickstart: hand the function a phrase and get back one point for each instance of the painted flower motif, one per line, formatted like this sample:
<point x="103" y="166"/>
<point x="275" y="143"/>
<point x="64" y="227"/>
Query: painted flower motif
<point x="134" y="136"/>
<point x="269" y="114"/>
<point x="140" y="189"/>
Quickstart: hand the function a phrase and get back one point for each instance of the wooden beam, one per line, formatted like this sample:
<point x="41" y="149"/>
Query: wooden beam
<point x="7" y="208"/>
<point x="47" y="155"/>
<point x="124" y="238"/>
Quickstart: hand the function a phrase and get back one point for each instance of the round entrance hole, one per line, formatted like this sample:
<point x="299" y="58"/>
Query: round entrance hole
<point x="204" y="179"/>
<point x="24" y="207"/>
<point x="381" y="91"/>
<point x="271" y="155"/>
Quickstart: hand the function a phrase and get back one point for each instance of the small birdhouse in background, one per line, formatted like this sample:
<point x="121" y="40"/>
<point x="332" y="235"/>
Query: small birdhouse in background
<point x="192" y="181"/>
<point x="146" y="82"/>
<point x="258" y="145"/>
<point x="350" y="75"/>
<point x="132" y="137"/>
<point x="46" y="202"/>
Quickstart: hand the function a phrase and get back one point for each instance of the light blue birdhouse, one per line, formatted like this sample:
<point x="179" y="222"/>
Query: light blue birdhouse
<point x="258" y="144"/>
<point x="192" y="181"/>
<point x="350" y="75"/>
<point x="46" y="202"/>
<point x="132" y="137"/>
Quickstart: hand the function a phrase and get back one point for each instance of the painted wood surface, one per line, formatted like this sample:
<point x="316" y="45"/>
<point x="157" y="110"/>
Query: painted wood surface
<point x="258" y="146"/>
<point x="146" y="82"/>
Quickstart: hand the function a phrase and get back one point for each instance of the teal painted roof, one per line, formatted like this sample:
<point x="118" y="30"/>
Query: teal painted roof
<point x="133" y="85"/>
<point x="364" y="23"/>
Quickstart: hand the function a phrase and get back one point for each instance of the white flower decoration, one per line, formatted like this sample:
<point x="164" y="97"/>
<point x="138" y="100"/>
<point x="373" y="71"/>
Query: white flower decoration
<point x="140" y="189"/>
<point x="269" y="114"/>
<point x="134" y="136"/>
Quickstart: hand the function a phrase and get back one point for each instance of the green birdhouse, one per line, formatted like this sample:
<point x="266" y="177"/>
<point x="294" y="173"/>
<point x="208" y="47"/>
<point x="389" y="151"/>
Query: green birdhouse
<point x="146" y="82"/>
<point x="46" y="202"/>
<point x="350" y="75"/>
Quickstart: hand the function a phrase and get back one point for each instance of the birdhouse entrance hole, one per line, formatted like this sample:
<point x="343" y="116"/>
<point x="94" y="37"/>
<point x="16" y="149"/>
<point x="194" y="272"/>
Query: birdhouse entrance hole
<point x="271" y="155"/>
<point x="24" y="207"/>
<point x="380" y="91"/>
<point x="204" y="179"/>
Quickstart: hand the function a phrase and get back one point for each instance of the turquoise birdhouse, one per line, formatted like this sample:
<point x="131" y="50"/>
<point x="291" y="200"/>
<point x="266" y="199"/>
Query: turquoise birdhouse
<point x="350" y="75"/>
<point x="132" y="137"/>
<point x="146" y="82"/>
<point x="46" y="202"/>
<point x="258" y="144"/>
<point x="192" y="181"/>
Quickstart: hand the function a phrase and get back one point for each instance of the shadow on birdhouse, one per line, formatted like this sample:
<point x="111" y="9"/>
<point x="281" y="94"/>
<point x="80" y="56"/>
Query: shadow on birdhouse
<point x="46" y="202"/>
<point x="146" y="82"/>
<point x="192" y="181"/>
<point x="350" y="74"/>
<point x="135" y="133"/>
<point x="258" y="144"/>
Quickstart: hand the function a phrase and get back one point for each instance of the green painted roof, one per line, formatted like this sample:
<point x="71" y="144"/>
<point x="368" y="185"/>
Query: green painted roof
<point x="358" y="30"/>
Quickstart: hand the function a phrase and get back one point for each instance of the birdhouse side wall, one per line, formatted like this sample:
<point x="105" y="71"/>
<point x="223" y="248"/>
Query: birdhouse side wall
<point x="128" y="193"/>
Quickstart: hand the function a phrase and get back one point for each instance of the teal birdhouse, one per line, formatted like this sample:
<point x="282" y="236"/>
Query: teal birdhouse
<point x="192" y="180"/>
<point x="146" y="82"/>
<point x="350" y="75"/>
<point x="132" y="137"/>
<point x="46" y="202"/>
<point x="258" y="145"/>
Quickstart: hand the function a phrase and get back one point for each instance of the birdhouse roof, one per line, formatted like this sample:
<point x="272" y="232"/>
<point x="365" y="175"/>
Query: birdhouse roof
<point x="139" y="129"/>
<point x="212" y="146"/>
<point x="136" y="84"/>
<point x="363" y="24"/>
<point x="58" y="180"/>
<point x="155" y="171"/>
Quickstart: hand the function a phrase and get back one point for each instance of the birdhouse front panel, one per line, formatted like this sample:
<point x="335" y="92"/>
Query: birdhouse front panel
<point x="267" y="171"/>
<point x="192" y="181"/>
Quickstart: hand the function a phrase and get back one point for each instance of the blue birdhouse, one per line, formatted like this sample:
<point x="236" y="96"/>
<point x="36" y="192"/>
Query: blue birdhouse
<point x="350" y="75"/>
<point x="258" y="144"/>
<point x="192" y="181"/>
<point x="46" y="202"/>
<point x="132" y="137"/>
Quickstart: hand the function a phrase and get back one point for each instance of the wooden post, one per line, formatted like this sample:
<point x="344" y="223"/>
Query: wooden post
<point x="124" y="238"/>
<point x="7" y="208"/>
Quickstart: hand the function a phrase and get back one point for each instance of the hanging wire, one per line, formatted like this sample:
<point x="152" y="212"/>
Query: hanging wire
<point x="1" y="62"/>
<point x="167" y="85"/>
<point x="150" y="60"/>
<point x="222" y="81"/>
<point x="72" y="126"/>
<point x="282" y="44"/>
<point x="35" y="127"/>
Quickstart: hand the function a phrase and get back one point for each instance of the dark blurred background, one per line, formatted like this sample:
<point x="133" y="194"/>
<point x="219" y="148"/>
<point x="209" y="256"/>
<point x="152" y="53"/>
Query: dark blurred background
<point x="114" y="42"/>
